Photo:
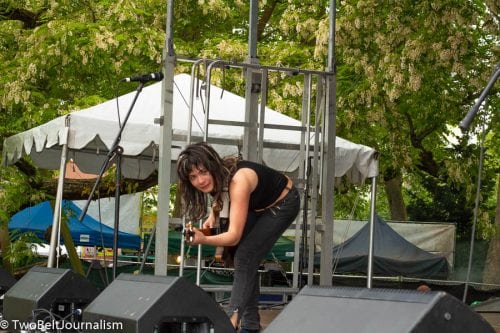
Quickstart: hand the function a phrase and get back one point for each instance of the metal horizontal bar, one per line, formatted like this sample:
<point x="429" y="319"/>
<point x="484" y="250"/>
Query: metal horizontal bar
<point x="269" y="126"/>
<point x="226" y="64"/>
<point x="263" y="290"/>
<point x="238" y="142"/>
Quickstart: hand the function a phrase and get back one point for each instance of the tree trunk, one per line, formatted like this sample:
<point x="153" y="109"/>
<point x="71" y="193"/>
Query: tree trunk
<point x="177" y="212"/>
<point x="393" y="185"/>
<point x="492" y="264"/>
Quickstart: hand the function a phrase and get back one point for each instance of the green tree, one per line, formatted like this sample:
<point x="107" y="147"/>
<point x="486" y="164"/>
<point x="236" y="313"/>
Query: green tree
<point x="60" y="56"/>
<point x="407" y="73"/>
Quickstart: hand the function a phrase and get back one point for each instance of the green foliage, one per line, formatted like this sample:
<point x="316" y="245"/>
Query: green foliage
<point x="351" y="202"/>
<point x="451" y="196"/>
<point x="440" y="201"/>
<point x="406" y="74"/>
<point x="150" y="200"/>
<point x="75" y="51"/>
<point x="22" y="250"/>
<point x="15" y="193"/>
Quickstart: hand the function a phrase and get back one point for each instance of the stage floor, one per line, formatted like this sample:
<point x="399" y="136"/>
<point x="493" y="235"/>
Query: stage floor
<point x="267" y="316"/>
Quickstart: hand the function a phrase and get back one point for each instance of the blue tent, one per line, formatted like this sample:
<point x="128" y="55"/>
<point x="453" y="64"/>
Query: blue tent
<point x="89" y="232"/>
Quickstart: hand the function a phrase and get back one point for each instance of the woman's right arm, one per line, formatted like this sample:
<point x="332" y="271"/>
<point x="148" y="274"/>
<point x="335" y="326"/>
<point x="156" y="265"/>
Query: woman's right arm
<point x="241" y="186"/>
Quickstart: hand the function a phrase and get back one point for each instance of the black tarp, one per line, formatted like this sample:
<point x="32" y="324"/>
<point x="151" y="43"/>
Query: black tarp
<point x="393" y="255"/>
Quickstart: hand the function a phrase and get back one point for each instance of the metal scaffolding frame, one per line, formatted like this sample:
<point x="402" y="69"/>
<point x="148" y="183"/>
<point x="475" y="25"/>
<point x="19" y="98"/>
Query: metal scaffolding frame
<point x="310" y="147"/>
<point x="315" y="155"/>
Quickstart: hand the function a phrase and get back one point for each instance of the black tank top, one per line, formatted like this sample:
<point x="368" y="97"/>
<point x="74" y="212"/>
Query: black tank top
<point x="269" y="186"/>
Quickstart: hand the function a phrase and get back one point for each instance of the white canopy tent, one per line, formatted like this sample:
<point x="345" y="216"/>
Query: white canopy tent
<point x="92" y="132"/>
<point x="87" y="135"/>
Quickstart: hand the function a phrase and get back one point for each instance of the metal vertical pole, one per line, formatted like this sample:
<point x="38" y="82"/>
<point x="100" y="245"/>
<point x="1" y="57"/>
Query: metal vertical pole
<point x="476" y="209"/>
<point x="116" y="224"/>
<point x="56" y="220"/>
<point x="249" y="148"/>
<point x="194" y="78"/>
<point x="372" y="227"/>
<point x="165" y="154"/>
<point x="262" y="115"/>
<point x="208" y="87"/>
<point x="320" y="102"/>
<point x="328" y="159"/>
<point x="307" y="234"/>
<point x="301" y="228"/>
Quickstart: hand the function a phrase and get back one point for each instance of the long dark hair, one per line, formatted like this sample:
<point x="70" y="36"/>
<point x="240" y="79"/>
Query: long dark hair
<point x="199" y="155"/>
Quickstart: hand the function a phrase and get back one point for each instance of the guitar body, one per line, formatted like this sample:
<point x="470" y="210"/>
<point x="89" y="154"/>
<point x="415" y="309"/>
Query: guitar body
<point x="222" y="254"/>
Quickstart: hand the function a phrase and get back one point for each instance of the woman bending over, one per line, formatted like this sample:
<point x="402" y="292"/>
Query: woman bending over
<point x="263" y="203"/>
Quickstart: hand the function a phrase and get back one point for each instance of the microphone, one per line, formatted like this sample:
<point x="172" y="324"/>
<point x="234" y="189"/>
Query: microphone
<point x="144" y="78"/>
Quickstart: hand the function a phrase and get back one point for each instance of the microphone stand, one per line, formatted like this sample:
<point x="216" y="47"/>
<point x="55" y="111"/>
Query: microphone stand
<point x="465" y="123"/>
<point x="464" y="126"/>
<point x="116" y="151"/>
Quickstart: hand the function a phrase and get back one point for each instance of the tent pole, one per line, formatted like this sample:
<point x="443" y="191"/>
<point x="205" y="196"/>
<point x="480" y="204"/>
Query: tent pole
<point x="372" y="224"/>
<point x="54" y="235"/>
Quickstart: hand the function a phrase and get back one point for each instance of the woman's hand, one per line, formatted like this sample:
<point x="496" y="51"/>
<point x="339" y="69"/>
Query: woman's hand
<point x="210" y="221"/>
<point x="197" y="237"/>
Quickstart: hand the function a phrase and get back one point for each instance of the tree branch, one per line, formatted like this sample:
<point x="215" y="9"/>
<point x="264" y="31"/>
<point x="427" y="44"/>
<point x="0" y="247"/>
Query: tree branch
<point x="29" y="19"/>
<point x="79" y="189"/>
<point x="264" y="19"/>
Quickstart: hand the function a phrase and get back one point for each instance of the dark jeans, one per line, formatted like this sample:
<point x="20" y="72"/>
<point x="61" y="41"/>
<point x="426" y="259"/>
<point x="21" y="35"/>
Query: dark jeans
<point x="262" y="230"/>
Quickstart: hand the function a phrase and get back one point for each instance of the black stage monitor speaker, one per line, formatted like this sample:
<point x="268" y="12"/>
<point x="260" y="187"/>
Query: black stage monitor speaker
<point x="156" y="304"/>
<point x="357" y="310"/>
<point x="6" y="280"/>
<point x="47" y="292"/>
